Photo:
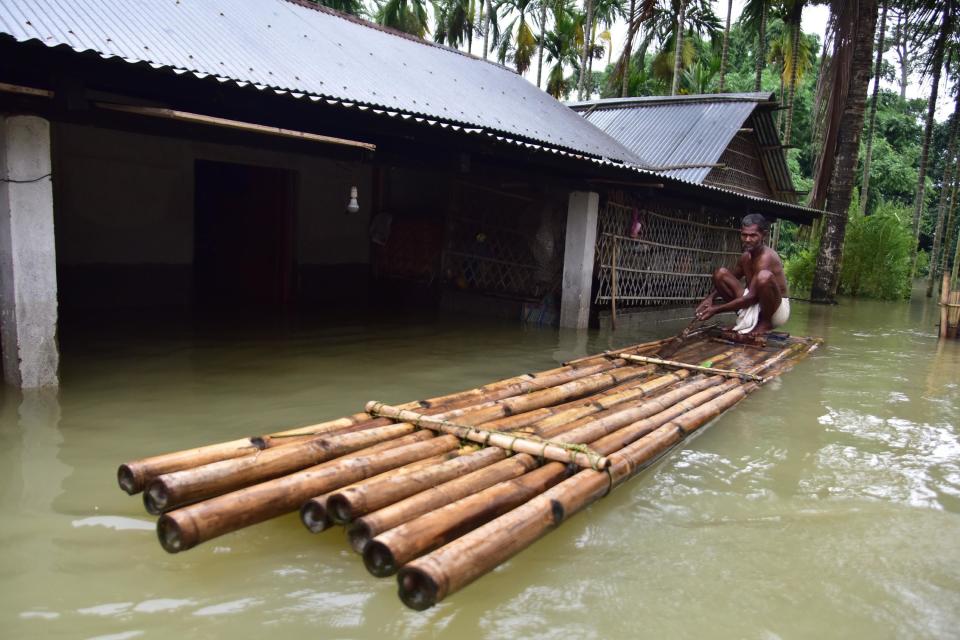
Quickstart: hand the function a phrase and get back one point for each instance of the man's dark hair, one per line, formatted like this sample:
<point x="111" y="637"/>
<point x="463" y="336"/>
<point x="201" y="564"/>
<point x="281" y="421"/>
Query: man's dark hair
<point x="757" y="219"/>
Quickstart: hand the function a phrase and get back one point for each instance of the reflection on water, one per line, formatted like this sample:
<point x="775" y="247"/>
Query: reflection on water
<point x="826" y="505"/>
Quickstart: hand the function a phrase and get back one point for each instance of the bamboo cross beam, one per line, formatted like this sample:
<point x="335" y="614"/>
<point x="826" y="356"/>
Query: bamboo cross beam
<point x="577" y="454"/>
<point x="728" y="373"/>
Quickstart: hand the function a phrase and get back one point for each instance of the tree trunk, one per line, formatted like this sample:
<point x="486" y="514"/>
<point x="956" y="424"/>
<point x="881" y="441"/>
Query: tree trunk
<point x="951" y="218"/>
<point x="678" y="44"/>
<point x="486" y="28"/>
<point x="945" y="185"/>
<point x="865" y="181"/>
<point x="593" y="41"/>
<point x="543" y="33"/>
<point x="761" y="50"/>
<point x="641" y="59"/>
<point x="902" y="54"/>
<point x="627" y="47"/>
<point x="726" y="46"/>
<point x="794" y="58"/>
<point x="584" y="52"/>
<point x="827" y="275"/>
<point x="937" y="67"/>
<point x="780" y="110"/>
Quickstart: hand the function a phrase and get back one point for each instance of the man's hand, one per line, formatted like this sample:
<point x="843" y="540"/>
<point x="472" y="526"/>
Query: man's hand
<point x="707" y="313"/>
<point x="705" y="304"/>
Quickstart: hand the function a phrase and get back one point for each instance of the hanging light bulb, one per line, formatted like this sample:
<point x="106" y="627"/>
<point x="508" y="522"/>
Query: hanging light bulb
<point x="353" y="206"/>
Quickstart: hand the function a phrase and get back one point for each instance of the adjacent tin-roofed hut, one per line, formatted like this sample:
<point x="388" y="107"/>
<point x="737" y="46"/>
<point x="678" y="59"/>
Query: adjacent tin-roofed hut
<point x="726" y="140"/>
<point x="659" y="251"/>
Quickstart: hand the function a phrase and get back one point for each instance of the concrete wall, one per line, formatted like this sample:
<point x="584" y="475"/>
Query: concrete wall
<point x="124" y="212"/>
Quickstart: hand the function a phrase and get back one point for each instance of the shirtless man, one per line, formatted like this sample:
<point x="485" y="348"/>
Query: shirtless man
<point x="763" y="304"/>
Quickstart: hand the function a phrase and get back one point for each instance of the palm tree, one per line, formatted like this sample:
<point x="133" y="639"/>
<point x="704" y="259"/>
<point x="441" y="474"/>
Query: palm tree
<point x="454" y="22"/>
<point x="409" y="16"/>
<point x="562" y="45"/>
<point x="517" y="39"/>
<point x="726" y="44"/>
<point x="841" y="102"/>
<point x="555" y="7"/>
<point x="793" y="13"/>
<point x="946" y="30"/>
<point x="678" y="49"/>
<point x="588" y="7"/>
<point x="754" y="18"/>
<point x="878" y="66"/>
<point x="605" y="12"/>
<point x="637" y="15"/>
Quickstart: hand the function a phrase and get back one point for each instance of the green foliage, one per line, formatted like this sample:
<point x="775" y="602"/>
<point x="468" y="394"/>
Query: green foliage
<point x="876" y="253"/>
<point x="799" y="269"/>
<point x="923" y="264"/>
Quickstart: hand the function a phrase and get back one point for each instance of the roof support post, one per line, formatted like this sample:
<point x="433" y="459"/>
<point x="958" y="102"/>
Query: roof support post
<point x="28" y="265"/>
<point x="578" y="256"/>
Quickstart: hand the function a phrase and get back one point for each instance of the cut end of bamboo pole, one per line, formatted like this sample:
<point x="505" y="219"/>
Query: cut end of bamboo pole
<point x="129" y="480"/>
<point x="314" y="516"/>
<point x="338" y="509"/>
<point x="173" y="537"/>
<point x="378" y="559"/>
<point x="417" y="590"/>
<point x="359" y="535"/>
<point x="155" y="498"/>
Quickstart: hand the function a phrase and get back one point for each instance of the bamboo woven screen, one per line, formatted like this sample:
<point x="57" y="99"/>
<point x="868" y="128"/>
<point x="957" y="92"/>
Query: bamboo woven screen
<point x="670" y="258"/>
<point x="490" y="247"/>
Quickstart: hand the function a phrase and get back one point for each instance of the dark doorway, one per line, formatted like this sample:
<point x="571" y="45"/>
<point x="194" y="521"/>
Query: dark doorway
<point x="243" y="249"/>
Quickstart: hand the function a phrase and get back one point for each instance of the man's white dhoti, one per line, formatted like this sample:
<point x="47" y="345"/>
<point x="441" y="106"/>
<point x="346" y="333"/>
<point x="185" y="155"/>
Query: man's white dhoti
<point x="748" y="316"/>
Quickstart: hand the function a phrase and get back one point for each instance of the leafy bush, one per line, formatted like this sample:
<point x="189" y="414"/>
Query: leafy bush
<point x="923" y="264"/>
<point x="799" y="269"/>
<point x="876" y="254"/>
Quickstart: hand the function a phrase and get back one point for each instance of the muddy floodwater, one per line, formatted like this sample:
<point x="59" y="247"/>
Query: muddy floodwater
<point x="826" y="505"/>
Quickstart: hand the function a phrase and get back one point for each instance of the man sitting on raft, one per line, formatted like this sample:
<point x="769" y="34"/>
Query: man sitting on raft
<point x="763" y="304"/>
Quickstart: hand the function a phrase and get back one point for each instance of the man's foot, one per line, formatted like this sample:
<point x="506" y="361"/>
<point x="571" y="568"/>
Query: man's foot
<point x="761" y="329"/>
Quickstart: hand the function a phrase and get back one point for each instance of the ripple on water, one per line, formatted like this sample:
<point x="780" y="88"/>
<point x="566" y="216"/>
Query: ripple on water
<point x="120" y="523"/>
<point x="226" y="608"/>
<point x="123" y="635"/>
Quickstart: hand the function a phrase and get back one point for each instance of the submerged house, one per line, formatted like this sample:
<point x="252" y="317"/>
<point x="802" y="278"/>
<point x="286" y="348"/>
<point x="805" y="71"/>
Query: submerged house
<point x="269" y="155"/>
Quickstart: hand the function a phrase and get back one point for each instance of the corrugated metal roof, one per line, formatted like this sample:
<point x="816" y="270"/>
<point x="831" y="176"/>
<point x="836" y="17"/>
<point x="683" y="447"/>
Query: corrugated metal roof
<point x="285" y="46"/>
<point x="667" y="131"/>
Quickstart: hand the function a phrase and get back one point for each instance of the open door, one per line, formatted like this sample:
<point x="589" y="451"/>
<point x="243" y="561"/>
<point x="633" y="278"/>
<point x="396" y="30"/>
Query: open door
<point x="243" y="247"/>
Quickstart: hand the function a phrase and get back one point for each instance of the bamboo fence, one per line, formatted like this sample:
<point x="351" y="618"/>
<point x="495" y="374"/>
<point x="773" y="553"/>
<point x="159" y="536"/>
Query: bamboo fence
<point x="441" y="491"/>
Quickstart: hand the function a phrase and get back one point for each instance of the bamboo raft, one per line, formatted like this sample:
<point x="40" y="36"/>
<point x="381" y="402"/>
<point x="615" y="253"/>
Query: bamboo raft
<point x="439" y="492"/>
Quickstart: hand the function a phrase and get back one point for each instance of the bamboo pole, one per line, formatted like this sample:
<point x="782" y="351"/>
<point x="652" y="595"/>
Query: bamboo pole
<point x="389" y="550"/>
<point x="504" y="440"/>
<point x="188" y="526"/>
<point x="314" y="514"/>
<point x="581" y="406"/>
<point x="642" y="347"/>
<point x="552" y="395"/>
<point x="692" y="367"/>
<point x="351" y="502"/>
<point x="135" y="475"/>
<point x="613" y="286"/>
<point x="944" y="309"/>
<point x="429" y="579"/>
<point x="366" y="527"/>
<point x="180" y="487"/>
